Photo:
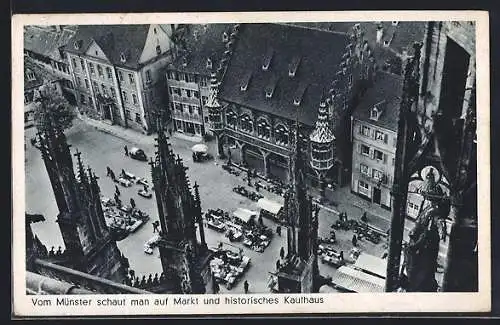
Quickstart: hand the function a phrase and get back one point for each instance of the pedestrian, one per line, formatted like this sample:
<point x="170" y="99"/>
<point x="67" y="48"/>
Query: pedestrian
<point x="126" y="150"/>
<point x="354" y="240"/>
<point x="246" y="286"/>
<point x="278" y="230"/>
<point x="112" y="174"/>
<point x="123" y="173"/>
<point x="145" y="188"/>
<point x="117" y="191"/>
<point x="282" y="253"/>
<point x="364" y="218"/>
<point x="261" y="221"/>
<point x="132" y="203"/>
<point x="278" y="264"/>
<point x="170" y="131"/>
<point x="257" y="186"/>
<point x="108" y="171"/>
<point x="154" y="227"/>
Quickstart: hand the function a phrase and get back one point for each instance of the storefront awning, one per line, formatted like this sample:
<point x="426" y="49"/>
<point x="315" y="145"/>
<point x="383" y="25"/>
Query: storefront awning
<point x="244" y="214"/>
<point x="372" y="264"/>
<point x="357" y="281"/>
<point x="271" y="206"/>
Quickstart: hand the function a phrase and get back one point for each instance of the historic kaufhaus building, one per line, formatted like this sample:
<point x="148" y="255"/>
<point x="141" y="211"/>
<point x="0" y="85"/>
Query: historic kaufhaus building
<point x="278" y="73"/>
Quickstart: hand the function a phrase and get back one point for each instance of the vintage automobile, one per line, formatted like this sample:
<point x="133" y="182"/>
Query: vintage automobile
<point x="145" y="194"/>
<point x="124" y="182"/>
<point x="153" y="241"/>
<point x="333" y="258"/>
<point x="126" y="208"/>
<point x="138" y="154"/>
<point x="142" y="181"/>
<point x="200" y="152"/>
<point x="107" y="202"/>
<point x="147" y="249"/>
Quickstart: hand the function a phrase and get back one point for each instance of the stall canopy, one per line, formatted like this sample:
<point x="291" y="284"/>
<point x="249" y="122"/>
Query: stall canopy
<point x="244" y="215"/>
<point x="372" y="264"/>
<point x="200" y="147"/>
<point x="356" y="281"/>
<point x="271" y="206"/>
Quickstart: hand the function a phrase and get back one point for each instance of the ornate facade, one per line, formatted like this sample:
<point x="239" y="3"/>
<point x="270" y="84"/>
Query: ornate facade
<point x="269" y="77"/>
<point x="437" y="128"/>
<point x="184" y="259"/>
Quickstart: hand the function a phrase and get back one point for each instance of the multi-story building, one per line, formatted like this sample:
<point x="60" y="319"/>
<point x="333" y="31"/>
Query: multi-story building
<point x="374" y="134"/>
<point x="199" y="52"/>
<point x="278" y="73"/>
<point x="44" y="46"/>
<point x="118" y="72"/>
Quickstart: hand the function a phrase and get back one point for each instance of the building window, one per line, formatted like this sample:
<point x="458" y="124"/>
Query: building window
<point x="204" y="99"/>
<point x="78" y="81"/>
<point x="131" y="78"/>
<point x="138" y="118"/>
<point x="378" y="155"/>
<point x="263" y="129"/>
<point x="190" y="109"/>
<point x="196" y="94"/>
<point x="148" y="76"/>
<point x="176" y="91"/>
<point x="109" y="73"/>
<point x="365" y="130"/>
<point x="246" y="123"/>
<point x="99" y="70"/>
<point x="186" y="77"/>
<point x="377" y="174"/>
<point x="91" y="68"/>
<point x="120" y="75"/>
<point x="281" y="135"/>
<point x="73" y="60"/>
<point x="87" y="85"/>
<point x="231" y="119"/>
<point x="96" y="87"/>
<point x="203" y="81"/>
<point x="113" y="94"/>
<point x="178" y="106"/>
<point x="90" y="100"/>
<point x="364" y="188"/>
<point x="104" y="90"/>
<point x="158" y="49"/>
<point x="365" y="170"/>
<point x="82" y="64"/>
<point x="171" y="74"/>
<point x="134" y="99"/>
<point x="127" y="114"/>
<point x="365" y="150"/>
<point x="82" y="99"/>
<point x="191" y="78"/>
<point x="188" y="93"/>
<point x="412" y="209"/>
<point x="381" y="136"/>
<point x="125" y="97"/>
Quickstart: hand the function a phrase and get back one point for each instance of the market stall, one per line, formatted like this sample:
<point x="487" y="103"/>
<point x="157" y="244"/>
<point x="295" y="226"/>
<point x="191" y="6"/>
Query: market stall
<point x="271" y="210"/>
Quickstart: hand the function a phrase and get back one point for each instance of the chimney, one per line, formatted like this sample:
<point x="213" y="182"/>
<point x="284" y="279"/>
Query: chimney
<point x="380" y="33"/>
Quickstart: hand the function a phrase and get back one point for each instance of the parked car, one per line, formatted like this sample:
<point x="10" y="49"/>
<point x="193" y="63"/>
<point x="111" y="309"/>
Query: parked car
<point x="138" y="154"/>
<point x="124" y="182"/>
<point x="145" y="194"/>
<point x="107" y="202"/>
<point x="147" y="249"/>
<point x="216" y="225"/>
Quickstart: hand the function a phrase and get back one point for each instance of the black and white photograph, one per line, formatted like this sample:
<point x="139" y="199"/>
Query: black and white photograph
<point x="250" y="160"/>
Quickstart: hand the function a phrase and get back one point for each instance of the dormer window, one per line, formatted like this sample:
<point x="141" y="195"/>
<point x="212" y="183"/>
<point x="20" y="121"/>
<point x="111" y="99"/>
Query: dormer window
<point x="245" y="81"/>
<point x="209" y="63"/>
<point x="395" y="23"/>
<point x="123" y="57"/>
<point x="77" y="44"/>
<point x="299" y="94"/>
<point x="30" y="75"/>
<point x="267" y="59"/>
<point x="158" y="50"/>
<point x="269" y="90"/>
<point x="225" y="37"/>
<point x="294" y="65"/>
<point x="357" y="26"/>
<point x="376" y="111"/>
<point x="386" y="43"/>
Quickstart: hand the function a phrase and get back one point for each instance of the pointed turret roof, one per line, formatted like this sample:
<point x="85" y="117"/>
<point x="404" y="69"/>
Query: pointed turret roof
<point x="322" y="132"/>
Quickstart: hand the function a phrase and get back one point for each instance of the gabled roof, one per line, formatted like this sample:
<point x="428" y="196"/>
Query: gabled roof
<point x="320" y="52"/>
<point x="387" y="88"/>
<point x="47" y="41"/>
<point x="113" y="40"/>
<point x="201" y="42"/>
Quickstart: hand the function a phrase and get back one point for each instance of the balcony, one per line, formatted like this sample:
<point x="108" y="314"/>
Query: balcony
<point x="186" y="100"/>
<point x="251" y="139"/>
<point x="322" y="164"/>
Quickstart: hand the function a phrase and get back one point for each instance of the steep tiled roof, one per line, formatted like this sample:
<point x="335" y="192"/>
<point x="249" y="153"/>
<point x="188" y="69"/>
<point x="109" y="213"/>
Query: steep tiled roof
<point x="201" y="42"/>
<point x="113" y="40"/>
<point x="47" y="41"/>
<point x="320" y="54"/>
<point x="386" y="89"/>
